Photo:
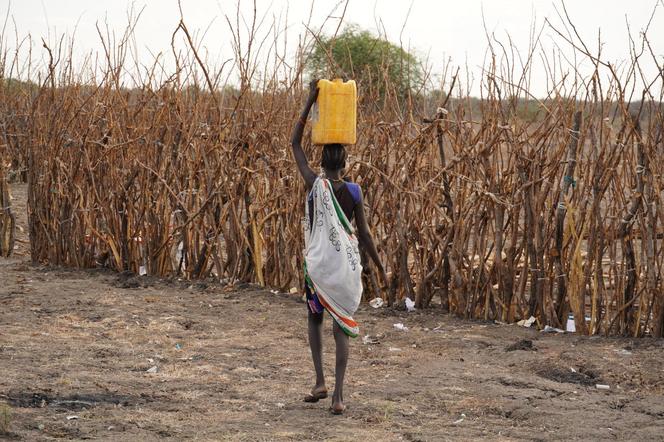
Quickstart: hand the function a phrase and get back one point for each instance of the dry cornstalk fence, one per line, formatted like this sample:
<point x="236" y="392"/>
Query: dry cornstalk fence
<point x="7" y="219"/>
<point x="478" y="208"/>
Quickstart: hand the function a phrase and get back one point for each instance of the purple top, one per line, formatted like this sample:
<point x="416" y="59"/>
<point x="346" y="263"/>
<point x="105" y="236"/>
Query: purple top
<point x="348" y="196"/>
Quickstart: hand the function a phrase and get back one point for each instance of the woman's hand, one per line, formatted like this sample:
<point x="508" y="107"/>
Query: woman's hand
<point x="313" y="89"/>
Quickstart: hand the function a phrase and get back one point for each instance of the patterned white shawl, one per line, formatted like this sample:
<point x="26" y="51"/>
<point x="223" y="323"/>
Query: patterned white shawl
<point x="332" y="258"/>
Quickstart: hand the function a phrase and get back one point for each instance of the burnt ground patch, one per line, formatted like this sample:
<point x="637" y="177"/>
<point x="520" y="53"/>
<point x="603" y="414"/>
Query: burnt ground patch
<point x="582" y="376"/>
<point x="76" y="401"/>
<point x="523" y="344"/>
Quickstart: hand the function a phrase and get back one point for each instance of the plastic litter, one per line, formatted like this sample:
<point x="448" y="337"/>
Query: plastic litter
<point x="152" y="369"/>
<point x="376" y="302"/>
<point x="178" y="346"/>
<point x="400" y="326"/>
<point x="394" y="349"/>
<point x="570" y="326"/>
<point x="549" y="329"/>
<point x="370" y="340"/>
<point x="602" y="387"/>
<point x="527" y="322"/>
<point x="410" y="305"/>
<point x="179" y="255"/>
<point x="72" y="417"/>
<point x="458" y="421"/>
<point x="142" y="271"/>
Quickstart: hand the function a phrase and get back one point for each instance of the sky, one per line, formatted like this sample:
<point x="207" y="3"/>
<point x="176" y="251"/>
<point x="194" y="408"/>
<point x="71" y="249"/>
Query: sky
<point x="444" y="34"/>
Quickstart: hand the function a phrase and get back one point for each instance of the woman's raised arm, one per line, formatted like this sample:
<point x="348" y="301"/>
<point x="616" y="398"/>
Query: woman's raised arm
<point x="296" y="140"/>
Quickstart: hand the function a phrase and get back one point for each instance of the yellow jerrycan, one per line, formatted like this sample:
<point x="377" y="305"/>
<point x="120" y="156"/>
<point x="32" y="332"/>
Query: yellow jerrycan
<point x="335" y="113"/>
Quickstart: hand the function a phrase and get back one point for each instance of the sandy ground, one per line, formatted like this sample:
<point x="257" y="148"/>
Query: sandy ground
<point x="77" y="348"/>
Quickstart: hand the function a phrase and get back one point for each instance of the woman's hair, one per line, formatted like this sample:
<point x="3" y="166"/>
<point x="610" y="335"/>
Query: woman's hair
<point x="334" y="157"/>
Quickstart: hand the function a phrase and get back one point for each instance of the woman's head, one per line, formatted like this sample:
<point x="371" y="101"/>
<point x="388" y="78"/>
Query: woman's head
<point x="334" y="157"/>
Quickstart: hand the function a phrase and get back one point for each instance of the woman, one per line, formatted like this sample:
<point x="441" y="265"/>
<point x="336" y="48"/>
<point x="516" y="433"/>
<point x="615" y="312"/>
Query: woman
<point x="332" y="265"/>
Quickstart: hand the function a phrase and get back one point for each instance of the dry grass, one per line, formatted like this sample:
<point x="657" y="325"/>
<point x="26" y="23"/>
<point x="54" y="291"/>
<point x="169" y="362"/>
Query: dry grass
<point x="5" y="419"/>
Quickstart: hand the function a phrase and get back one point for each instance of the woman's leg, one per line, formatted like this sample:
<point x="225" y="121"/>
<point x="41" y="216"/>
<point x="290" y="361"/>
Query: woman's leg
<point x="315" y="327"/>
<point x="341" y="340"/>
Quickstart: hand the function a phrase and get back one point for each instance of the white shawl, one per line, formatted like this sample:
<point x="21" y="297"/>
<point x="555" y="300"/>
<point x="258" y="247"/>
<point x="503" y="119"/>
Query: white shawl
<point x="332" y="258"/>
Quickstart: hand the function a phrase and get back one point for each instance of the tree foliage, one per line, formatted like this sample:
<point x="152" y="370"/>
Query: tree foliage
<point x="373" y="62"/>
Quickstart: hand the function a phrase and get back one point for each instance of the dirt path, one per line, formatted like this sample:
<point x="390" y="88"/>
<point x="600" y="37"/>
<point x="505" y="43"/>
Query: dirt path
<point x="233" y="364"/>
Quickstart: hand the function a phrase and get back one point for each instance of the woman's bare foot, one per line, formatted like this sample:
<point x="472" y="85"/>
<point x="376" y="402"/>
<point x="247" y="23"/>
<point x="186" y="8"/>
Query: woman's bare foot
<point x="317" y="393"/>
<point x="338" y="406"/>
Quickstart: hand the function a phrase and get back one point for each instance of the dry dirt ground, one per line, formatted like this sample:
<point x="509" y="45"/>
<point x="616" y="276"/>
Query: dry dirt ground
<point x="76" y="349"/>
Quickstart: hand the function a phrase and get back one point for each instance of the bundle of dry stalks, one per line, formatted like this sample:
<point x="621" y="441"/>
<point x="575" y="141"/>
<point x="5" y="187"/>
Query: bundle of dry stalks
<point x="7" y="219"/>
<point x="475" y="208"/>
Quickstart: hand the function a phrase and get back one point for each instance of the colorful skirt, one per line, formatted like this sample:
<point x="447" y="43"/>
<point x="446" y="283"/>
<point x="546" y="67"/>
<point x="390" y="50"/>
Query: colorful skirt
<point x="313" y="303"/>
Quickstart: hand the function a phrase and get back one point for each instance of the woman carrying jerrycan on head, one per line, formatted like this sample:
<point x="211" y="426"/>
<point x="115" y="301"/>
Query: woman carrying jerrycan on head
<point x="331" y="258"/>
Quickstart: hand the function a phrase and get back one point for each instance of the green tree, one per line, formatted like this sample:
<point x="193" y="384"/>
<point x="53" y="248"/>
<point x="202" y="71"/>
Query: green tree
<point x="373" y="62"/>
